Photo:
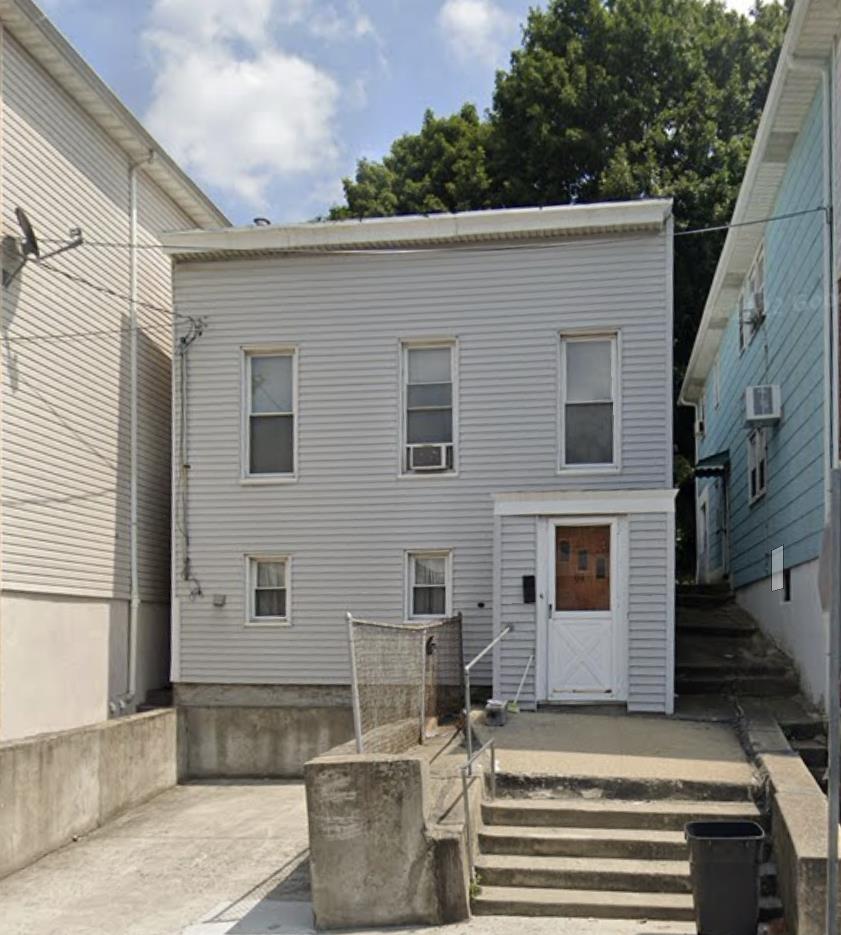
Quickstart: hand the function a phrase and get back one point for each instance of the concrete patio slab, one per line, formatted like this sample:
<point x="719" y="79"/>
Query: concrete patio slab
<point x="631" y="748"/>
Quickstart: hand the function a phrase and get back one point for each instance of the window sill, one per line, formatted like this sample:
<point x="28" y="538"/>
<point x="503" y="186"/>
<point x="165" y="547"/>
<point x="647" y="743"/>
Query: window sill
<point x="589" y="469"/>
<point x="752" y="501"/>
<point x="268" y="624"/>
<point x="268" y="481"/>
<point x="425" y="475"/>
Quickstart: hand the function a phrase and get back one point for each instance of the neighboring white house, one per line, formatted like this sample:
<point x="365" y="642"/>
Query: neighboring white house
<point x="71" y="155"/>
<point x="407" y="417"/>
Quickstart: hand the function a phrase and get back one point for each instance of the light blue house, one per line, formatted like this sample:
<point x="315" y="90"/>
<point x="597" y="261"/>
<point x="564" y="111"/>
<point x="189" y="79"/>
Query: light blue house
<point x="763" y="375"/>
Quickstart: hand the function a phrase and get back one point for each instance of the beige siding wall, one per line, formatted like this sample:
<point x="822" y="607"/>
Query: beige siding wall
<point x="349" y="518"/>
<point x="65" y="462"/>
<point x="65" y="420"/>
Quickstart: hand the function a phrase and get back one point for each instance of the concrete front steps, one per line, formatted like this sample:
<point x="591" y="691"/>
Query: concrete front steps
<point x="607" y="858"/>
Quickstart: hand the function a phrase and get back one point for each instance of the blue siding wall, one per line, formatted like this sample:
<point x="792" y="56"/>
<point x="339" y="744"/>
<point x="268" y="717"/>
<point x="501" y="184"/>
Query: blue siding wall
<point x="788" y="350"/>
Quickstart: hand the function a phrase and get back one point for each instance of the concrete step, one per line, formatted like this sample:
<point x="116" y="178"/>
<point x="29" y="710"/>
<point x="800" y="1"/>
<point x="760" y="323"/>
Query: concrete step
<point x="721" y="620"/>
<point x="668" y="815"/>
<point x="585" y="873"/>
<point x="596" y="904"/>
<point x="756" y="686"/>
<point x="813" y="752"/>
<point x="703" y="601"/>
<point x="583" y="842"/>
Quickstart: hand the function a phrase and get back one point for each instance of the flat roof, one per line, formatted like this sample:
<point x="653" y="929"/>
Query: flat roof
<point x="422" y="230"/>
<point x="40" y="38"/>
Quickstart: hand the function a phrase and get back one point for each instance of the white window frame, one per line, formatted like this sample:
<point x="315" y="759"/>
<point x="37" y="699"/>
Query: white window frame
<point x="409" y="582"/>
<point x="717" y="383"/>
<point x="762" y="437"/>
<point x="251" y="618"/>
<point x="247" y="354"/>
<point x="748" y="331"/>
<point x="403" y="375"/>
<point x="615" y="338"/>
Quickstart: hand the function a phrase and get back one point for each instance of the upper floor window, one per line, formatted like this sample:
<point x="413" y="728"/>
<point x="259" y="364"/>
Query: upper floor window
<point x="752" y="301"/>
<point x="757" y="464"/>
<point x="270" y="390"/>
<point x="429" y="408"/>
<point x="428" y="584"/>
<point x="589" y="401"/>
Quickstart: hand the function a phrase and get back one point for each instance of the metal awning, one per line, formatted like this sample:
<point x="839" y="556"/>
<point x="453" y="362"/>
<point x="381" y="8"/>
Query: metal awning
<point x="713" y="465"/>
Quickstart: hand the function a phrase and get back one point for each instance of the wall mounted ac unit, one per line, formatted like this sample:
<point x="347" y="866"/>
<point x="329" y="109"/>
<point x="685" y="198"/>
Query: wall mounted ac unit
<point x="430" y="457"/>
<point x="763" y="404"/>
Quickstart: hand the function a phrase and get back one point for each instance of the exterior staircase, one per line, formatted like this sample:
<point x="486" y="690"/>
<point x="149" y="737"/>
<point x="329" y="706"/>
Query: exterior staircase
<point x="606" y="858"/>
<point x="722" y="652"/>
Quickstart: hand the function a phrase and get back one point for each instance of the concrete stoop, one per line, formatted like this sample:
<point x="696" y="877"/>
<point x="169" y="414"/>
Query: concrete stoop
<point x="608" y="858"/>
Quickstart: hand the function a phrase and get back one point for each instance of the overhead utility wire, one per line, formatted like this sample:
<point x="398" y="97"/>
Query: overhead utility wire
<point x="765" y="220"/>
<point x="105" y="290"/>
<point x="72" y="335"/>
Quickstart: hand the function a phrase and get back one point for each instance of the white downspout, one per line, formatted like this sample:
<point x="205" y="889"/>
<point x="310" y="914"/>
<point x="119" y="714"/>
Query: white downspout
<point x="134" y="605"/>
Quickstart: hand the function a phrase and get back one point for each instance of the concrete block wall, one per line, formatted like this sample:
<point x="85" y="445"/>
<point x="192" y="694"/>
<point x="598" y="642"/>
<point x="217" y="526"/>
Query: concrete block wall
<point x="258" y="731"/>
<point x="56" y="786"/>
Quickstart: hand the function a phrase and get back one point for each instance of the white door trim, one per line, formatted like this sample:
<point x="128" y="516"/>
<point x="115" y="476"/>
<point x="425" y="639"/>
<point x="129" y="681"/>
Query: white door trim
<point x="619" y="571"/>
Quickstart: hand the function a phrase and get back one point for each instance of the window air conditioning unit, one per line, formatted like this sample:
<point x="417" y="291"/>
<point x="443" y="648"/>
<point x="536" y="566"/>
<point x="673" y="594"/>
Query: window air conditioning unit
<point x="430" y="457"/>
<point x="763" y="404"/>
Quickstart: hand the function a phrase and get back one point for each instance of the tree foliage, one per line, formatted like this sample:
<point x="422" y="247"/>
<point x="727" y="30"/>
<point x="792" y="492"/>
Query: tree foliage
<point x="604" y="100"/>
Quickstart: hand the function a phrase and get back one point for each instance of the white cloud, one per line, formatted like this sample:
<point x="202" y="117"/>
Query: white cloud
<point x="477" y="30"/>
<point x="741" y="6"/>
<point x="231" y="104"/>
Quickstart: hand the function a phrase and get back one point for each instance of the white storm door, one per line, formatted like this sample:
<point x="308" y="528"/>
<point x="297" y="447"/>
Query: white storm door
<point x="582" y="663"/>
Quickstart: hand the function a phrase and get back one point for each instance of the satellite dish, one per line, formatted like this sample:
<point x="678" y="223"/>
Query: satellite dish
<point x="29" y="245"/>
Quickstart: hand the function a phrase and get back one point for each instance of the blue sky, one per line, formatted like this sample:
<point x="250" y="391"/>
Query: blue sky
<point x="268" y="103"/>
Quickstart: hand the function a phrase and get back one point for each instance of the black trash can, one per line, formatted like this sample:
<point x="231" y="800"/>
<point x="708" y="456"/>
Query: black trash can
<point x="724" y="861"/>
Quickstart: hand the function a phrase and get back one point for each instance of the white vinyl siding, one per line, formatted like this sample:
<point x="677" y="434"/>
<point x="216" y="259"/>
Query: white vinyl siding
<point x="351" y="516"/>
<point x="65" y="414"/>
<point x="589" y="433"/>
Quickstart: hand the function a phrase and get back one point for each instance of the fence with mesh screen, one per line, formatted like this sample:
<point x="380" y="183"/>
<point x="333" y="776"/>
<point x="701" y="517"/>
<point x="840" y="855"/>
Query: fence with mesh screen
<point x="407" y="679"/>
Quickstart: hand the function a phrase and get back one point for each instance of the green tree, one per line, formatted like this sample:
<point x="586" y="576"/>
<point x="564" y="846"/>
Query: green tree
<point x="441" y="168"/>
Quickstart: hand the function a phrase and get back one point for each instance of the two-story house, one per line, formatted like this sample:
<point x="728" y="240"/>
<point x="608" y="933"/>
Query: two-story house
<point x="408" y="417"/>
<point x="85" y="407"/>
<point x="763" y="375"/>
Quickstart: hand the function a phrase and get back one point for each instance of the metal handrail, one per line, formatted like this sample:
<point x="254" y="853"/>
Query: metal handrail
<point x="467" y="730"/>
<point x="466" y="773"/>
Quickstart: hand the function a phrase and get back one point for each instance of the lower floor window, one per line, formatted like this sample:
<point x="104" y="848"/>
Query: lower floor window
<point x="757" y="464"/>
<point x="428" y="584"/>
<point x="268" y="589"/>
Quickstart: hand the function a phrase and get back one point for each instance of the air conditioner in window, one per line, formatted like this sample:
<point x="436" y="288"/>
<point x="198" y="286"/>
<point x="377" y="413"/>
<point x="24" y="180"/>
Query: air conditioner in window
<point x="763" y="404"/>
<point x="430" y="457"/>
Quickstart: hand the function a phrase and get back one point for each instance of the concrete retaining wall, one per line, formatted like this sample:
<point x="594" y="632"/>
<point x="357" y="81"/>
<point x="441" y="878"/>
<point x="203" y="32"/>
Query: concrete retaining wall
<point x="798" y="827"/>
<point x="267" y="731"/>
<point x="377" y="856"/>
<point x="56" y="786"/>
